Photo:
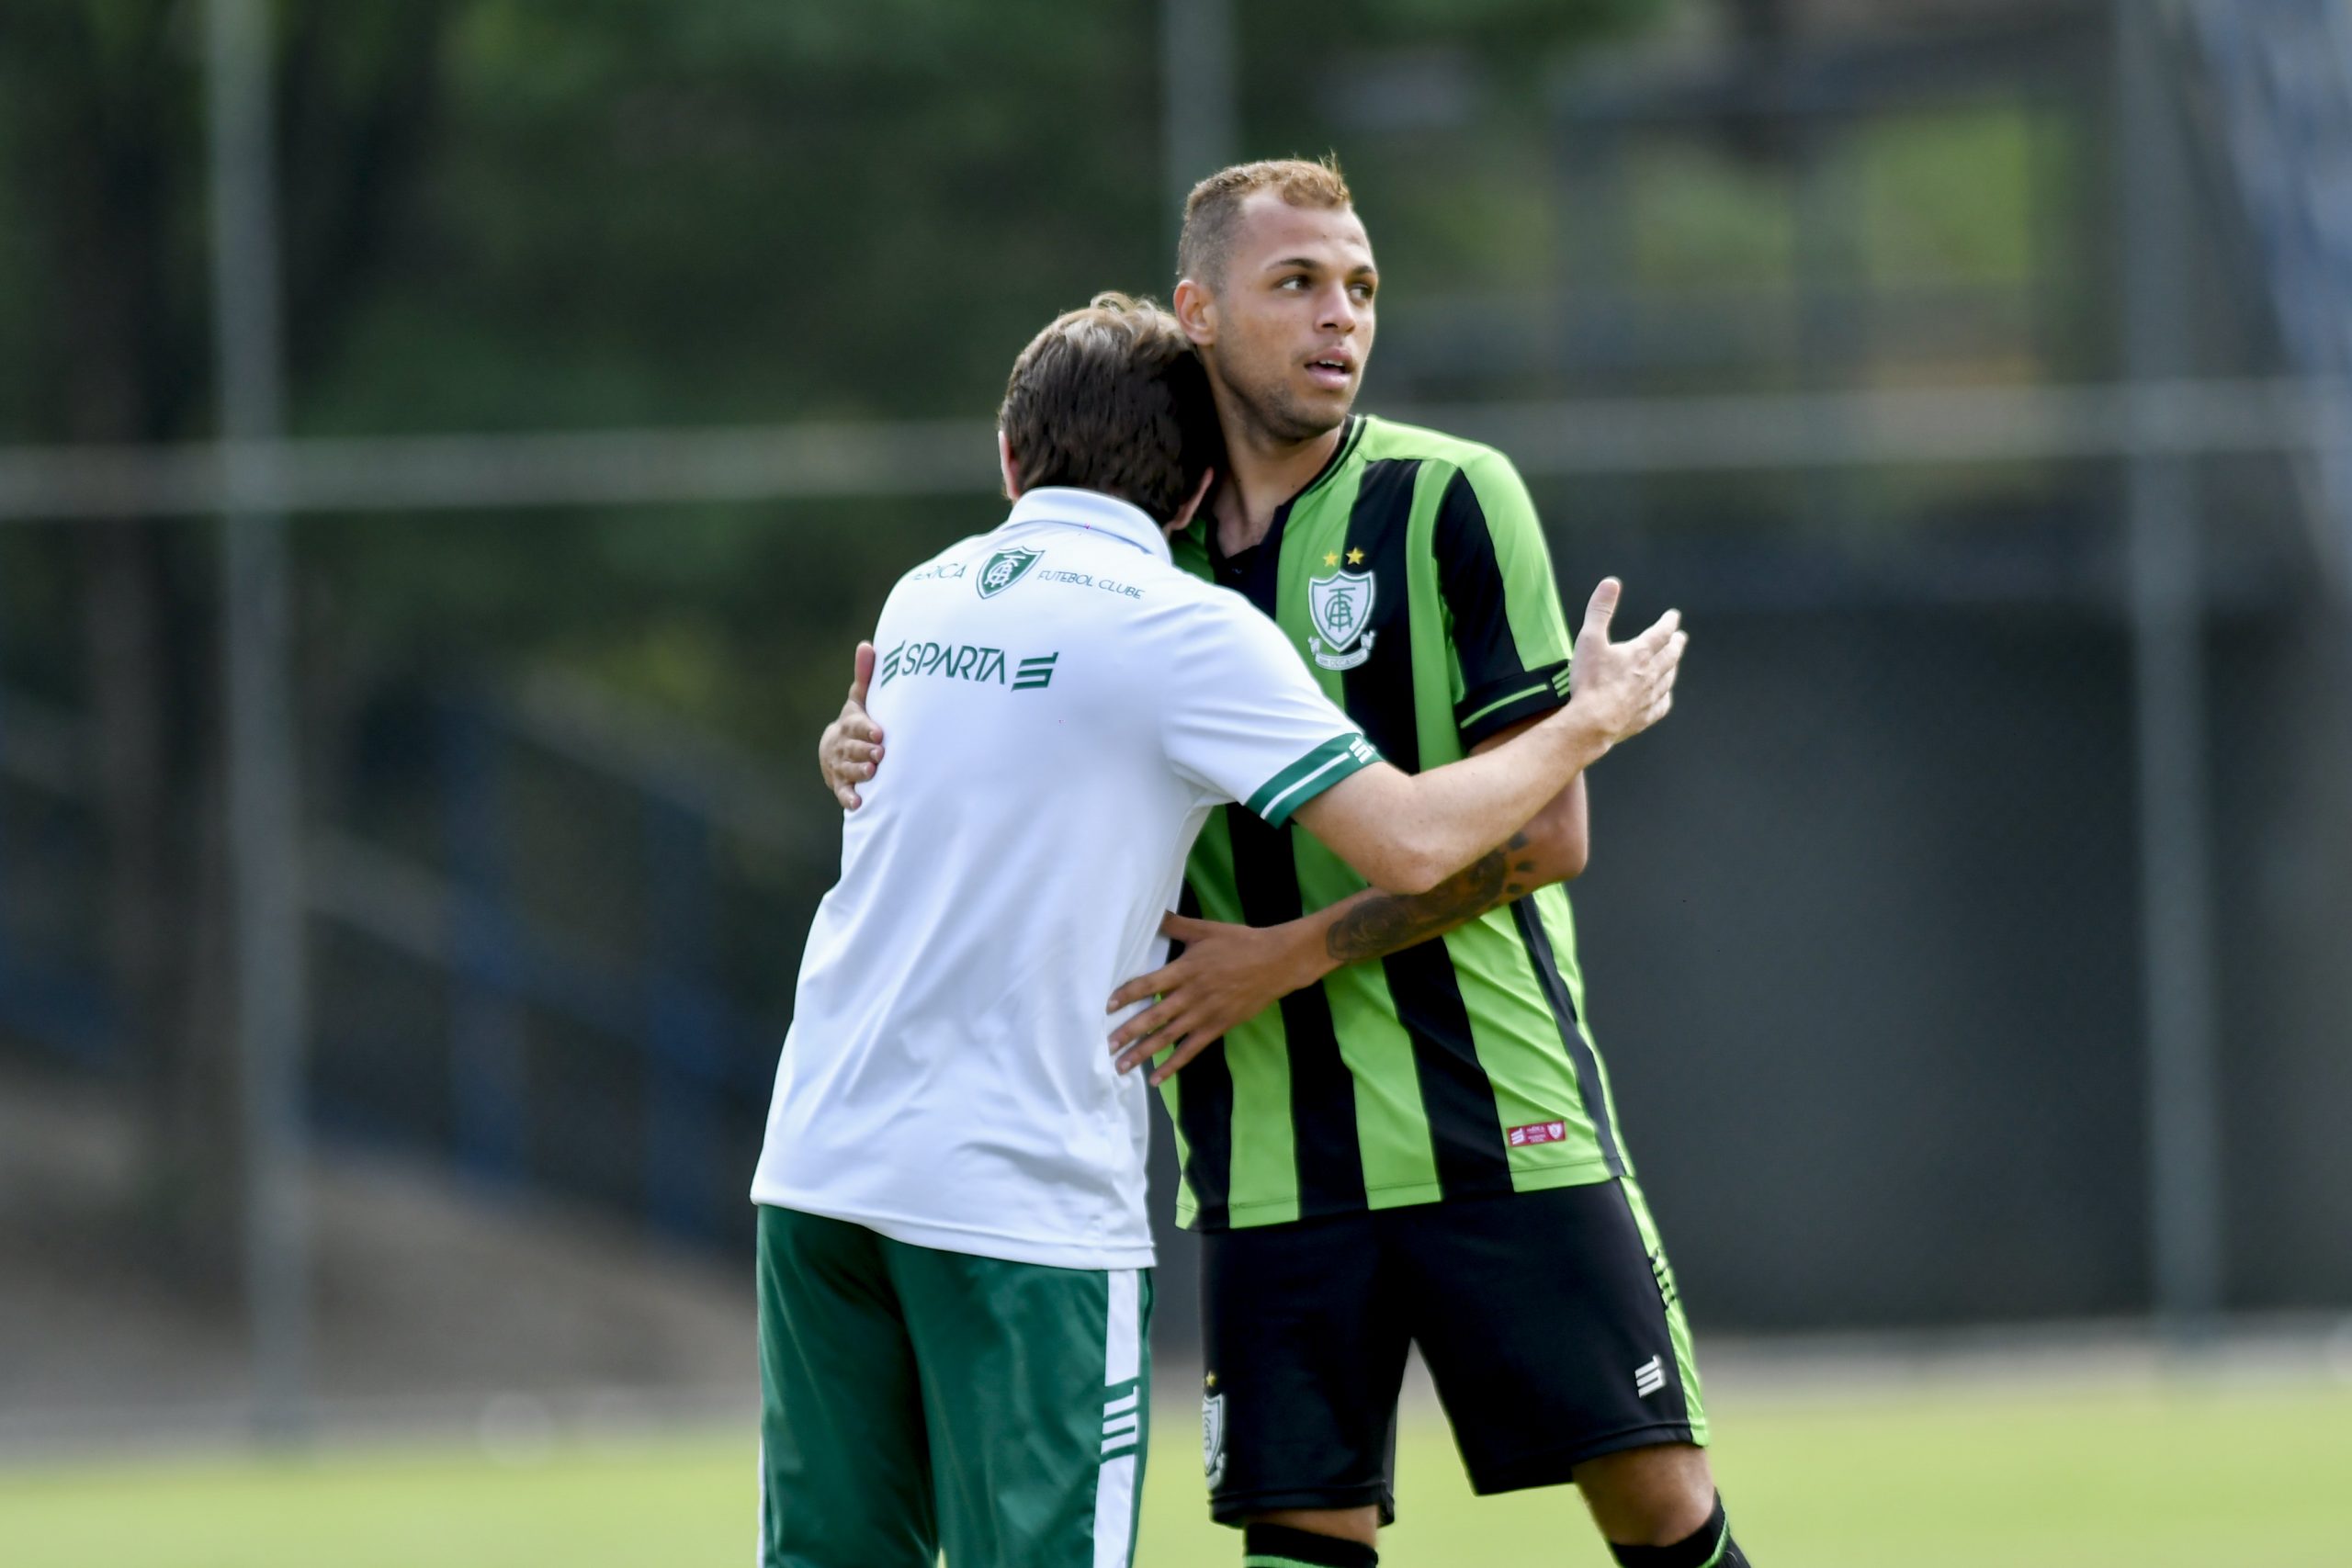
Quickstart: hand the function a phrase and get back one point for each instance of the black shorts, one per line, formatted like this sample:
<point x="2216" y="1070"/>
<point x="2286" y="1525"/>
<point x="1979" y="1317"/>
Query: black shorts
<point x="1549" y="1322"/>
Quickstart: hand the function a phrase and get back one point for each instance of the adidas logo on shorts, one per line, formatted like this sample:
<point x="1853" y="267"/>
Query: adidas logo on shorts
<point x="1649" y="1377"/>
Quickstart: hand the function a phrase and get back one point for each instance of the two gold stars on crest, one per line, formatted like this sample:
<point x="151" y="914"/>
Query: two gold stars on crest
<point x="1331" y="558"/>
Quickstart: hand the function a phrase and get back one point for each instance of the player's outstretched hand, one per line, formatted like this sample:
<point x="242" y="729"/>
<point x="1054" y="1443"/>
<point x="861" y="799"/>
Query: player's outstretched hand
<point x="1622" y="688"/>
<point x="850" y="748"/>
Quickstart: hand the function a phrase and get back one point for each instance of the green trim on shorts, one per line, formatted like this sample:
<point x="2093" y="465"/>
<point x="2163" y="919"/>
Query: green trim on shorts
<point x="1678" y="1327"/>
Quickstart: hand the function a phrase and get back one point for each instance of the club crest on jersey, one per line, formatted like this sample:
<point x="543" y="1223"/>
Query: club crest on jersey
<point x="1213" y="1436"/>
<point x="1341" y="607"/>
<point x="1004" y="568"/>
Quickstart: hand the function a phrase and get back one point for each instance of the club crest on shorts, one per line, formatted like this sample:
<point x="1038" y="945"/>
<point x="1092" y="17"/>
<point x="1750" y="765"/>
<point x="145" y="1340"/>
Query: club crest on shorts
<point x="1004" y="568"/>
<point x="1341" y="607"/>
<point x="1212" y="1436"/>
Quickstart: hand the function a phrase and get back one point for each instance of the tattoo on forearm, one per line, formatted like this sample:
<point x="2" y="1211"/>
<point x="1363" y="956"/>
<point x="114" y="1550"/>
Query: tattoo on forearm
<point x="1390" y="922"/>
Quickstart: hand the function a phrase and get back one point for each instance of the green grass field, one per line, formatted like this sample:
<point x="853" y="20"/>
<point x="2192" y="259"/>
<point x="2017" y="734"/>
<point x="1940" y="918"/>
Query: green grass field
<point x="2186" y="1477"/>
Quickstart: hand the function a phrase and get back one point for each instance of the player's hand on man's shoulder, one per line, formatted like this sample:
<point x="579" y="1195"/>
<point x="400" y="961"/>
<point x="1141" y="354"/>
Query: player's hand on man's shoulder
<point x="1622" y="688"/>
<point x="1226" y="976"/>
<point x="851" y="748"/>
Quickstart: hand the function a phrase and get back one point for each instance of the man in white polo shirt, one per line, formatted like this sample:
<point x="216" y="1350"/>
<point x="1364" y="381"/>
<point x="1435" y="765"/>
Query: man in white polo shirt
<point x="954" y="1257"/>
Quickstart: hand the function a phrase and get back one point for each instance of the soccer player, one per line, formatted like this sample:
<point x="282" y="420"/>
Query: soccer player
<point x="953" y="1257"/>
<point x="1394" y="1126"/>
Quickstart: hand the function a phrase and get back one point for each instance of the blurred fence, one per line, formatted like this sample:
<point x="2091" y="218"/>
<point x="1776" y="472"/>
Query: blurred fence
<point x="1967" y="948"/>
<point x="585" y="954"/>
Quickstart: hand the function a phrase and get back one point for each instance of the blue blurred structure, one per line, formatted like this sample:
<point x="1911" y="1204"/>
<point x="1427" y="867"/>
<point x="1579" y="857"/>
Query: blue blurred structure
<point x="50" y="991"/>
<point x="2277" y="79"/>
<point x="697" y="1052"/>
<point x="486" y="960"/>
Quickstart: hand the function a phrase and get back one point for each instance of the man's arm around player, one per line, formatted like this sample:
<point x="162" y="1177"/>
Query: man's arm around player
<point x="1410" y="833"/>
<point x="1228" y="974"/>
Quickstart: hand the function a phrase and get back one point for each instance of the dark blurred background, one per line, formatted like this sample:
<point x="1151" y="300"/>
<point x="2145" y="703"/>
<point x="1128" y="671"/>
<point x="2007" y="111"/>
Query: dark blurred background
<point x="408" y="814"/>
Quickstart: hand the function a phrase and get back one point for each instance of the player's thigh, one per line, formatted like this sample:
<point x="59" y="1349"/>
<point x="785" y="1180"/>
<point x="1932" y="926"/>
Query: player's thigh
<point x="1036" y="1388"/>
<point x="1552" y="1328"/>
<point x="845" y="1465"/>
<point x="1305" y="1351"/>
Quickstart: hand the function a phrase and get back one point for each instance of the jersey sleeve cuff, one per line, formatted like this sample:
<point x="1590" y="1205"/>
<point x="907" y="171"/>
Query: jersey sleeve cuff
<point x="1335" y="760"/>
<point x="1497" y="705"/>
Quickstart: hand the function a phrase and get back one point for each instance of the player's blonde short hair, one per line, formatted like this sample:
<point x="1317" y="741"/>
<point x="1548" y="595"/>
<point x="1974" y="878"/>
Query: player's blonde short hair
<point x="1213" y="209"/>
<point x="1111" y="397"/>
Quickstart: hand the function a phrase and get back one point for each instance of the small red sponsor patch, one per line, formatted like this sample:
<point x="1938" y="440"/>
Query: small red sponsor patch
<point x="1539" y="1133"/>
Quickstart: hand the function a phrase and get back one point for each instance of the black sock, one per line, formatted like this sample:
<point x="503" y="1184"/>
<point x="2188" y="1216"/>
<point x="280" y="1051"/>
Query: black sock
<point x="1279" y="1546"/>
<point x="1711" y="1547"/>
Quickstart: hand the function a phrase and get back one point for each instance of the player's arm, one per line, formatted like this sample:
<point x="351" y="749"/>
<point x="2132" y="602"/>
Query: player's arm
<point x="1380" y="821"/>
<point x="1226" y="974"/>
<point x="1412" y="835"/>
<point x="1553" y="847"/>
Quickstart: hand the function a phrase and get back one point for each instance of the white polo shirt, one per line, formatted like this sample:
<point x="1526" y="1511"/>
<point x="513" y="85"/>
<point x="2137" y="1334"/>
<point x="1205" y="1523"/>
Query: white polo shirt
<point x="1061" y="707"/>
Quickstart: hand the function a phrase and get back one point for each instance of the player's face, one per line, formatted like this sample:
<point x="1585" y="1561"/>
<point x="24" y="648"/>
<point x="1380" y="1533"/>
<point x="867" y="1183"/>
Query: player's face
<point x="1295" y="317"/>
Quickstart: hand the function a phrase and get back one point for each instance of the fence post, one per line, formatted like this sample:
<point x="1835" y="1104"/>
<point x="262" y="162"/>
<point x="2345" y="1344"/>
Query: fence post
<point x="264" y="806"/>
<point x="1200" y="124"/>
<point x="6" y="981"/>
<point x="2168" y="693"/>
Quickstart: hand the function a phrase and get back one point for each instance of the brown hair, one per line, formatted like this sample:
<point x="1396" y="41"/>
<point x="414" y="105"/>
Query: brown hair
<point x="1211" y="211"/>
<point x="1111" y="397"/>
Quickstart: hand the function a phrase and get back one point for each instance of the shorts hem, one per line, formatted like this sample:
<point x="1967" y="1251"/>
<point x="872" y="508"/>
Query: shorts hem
<point x="1234" y="1510"/>
<point x="1555" y="1467"/>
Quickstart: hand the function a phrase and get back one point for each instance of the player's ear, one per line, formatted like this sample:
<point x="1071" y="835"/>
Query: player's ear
<point x="1200" y="494"/>
<point x="1195" y="310"/>
<point x="1004" y="466"/>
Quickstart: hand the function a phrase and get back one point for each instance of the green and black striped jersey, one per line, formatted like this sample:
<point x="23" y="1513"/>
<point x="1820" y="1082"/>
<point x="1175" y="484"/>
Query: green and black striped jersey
<point x="1412" y="577"/>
